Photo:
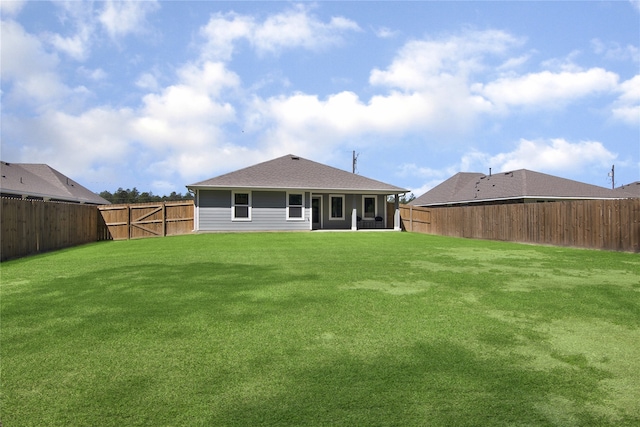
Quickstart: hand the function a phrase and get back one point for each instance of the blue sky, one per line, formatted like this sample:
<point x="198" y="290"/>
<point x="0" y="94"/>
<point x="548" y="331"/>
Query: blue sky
<point x="158" y="95"/>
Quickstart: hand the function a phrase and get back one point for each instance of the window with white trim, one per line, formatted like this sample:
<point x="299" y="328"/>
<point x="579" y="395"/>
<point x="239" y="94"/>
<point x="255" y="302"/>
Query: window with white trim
<point x="369" y="207"/>
<point x="295" y="206"/>
<point x="336" y="204"/>
<point x="241" y="206"/>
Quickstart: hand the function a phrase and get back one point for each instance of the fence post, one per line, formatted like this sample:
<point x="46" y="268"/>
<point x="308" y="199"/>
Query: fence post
<point x="411" y="217"/>
<point x="164" y="219"/>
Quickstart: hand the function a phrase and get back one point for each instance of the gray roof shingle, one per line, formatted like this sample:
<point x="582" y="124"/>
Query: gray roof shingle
<point x="630" y="190"/>
<point x="294" y="172"/>
<point x="520" y="184"/>
<point x="40" y="180"/>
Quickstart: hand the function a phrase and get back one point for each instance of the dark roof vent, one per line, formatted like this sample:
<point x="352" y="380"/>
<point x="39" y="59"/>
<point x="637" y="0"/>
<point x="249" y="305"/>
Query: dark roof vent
<point x="295" y="158"/>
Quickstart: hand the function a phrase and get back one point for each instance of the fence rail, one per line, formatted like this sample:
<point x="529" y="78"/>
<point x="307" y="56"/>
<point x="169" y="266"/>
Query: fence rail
<point x="594" y="224"/>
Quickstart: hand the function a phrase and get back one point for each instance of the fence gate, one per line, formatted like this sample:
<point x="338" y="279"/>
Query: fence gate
<point x="141" y="220"/>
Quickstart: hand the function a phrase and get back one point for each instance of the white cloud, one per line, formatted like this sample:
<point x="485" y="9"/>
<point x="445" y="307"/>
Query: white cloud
<point x="120" y="18"/>
<point x="627" y="107"/>
<point x="75" y="143"/>
<point x="385" y="33"/>
<point x="303" y="117"/>
<point x="79" y="17"/>
<point x="428" y="90"/>
<point x="516" y="62"/>
<point x="425" y="64"/>
<point x="552" y="156"/>
<point x="11" y="8"/>
<point x="29" y="68"/>
<point x="210" y="77"/>
<point x="147" y="81"/>
<point x="182" y="127"/>
<point x="615" y="51"/>
<point x="222" y="31"/>
<point x="181" y="117"/>
<point x="96" y="74"/>
<point x="22" y="53"/>
<point x="76" y="46"/>
<point x="295" y="28"/>
<point x="546" y="89"/>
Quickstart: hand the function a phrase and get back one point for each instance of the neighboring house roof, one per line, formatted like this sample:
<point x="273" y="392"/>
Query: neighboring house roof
<point x="42" y="181"/>
<point x="629" y="190"/>
<point x="294" y="172"/>
<point x="464" y="188"/>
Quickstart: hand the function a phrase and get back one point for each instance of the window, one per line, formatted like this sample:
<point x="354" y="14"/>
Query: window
<point x="337" y="207"/>
<point x="295" y="206"/>
<point x="369" y="207"/>
<point x="241" y="206"/>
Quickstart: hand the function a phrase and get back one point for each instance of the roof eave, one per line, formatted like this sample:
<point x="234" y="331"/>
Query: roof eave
<point x="52" y="197"/>
<point x="555" y="198"/>
<point x="312" y="190"/>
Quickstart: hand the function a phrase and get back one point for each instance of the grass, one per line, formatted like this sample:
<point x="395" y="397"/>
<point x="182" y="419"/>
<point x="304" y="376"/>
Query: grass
<point x="319" y="329"/>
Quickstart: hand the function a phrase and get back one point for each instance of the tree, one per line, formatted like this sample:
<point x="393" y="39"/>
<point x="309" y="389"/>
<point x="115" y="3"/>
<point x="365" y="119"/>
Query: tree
<point x="121" y="196"/>
<point x="403" y="199"/>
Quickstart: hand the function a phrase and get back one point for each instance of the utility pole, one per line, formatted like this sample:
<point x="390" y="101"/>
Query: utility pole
<point x="612" y="174"/>
<point x="354" y="161"/>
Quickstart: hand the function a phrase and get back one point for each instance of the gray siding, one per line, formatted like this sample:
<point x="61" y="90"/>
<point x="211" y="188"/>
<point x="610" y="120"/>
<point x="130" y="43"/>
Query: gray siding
<point x="268" y="212"/>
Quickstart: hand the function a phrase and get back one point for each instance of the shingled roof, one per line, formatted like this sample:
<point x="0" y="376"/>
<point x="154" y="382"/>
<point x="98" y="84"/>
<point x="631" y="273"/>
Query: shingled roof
<point x="468" y="188"/>
<point x="36" y="180"/>
<point x="294" y="172"/>
<point x="629" y="190"/>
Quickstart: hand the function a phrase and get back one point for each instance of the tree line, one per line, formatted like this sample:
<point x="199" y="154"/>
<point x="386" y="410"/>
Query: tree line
<point x="134" y="196"/>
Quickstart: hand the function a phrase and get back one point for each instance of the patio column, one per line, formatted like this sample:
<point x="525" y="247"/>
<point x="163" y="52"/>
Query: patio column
<point x="396" y="214"/>
<point x="354" y="214"/>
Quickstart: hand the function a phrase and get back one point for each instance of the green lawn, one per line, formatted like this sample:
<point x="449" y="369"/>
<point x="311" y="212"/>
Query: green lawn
<point x="320" y="329"/>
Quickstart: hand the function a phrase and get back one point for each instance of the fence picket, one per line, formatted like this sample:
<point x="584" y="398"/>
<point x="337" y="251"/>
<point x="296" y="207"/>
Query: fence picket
<point x="594" y="224"/>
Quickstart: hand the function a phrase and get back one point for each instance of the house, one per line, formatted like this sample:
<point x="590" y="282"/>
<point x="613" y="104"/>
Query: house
<point x="519" y="186"/>
<point x="42" y="182"/>
<point x="292" y="193"/>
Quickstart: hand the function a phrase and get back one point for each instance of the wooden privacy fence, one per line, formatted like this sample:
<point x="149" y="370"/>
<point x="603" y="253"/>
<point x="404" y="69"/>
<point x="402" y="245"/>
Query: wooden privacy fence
<point x="132" y="221"/>
<point x="594" y="224"/>
<point x="33" y="226"/>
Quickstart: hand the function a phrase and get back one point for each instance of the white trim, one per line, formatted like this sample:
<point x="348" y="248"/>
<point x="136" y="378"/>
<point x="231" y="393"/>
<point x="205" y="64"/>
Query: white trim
<point x="233" y="205"/>
<point x="196" y="212"/>
<point x="331" y="217"/>
<point x="302" y="210"/>
<point x="375" y="207"/>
